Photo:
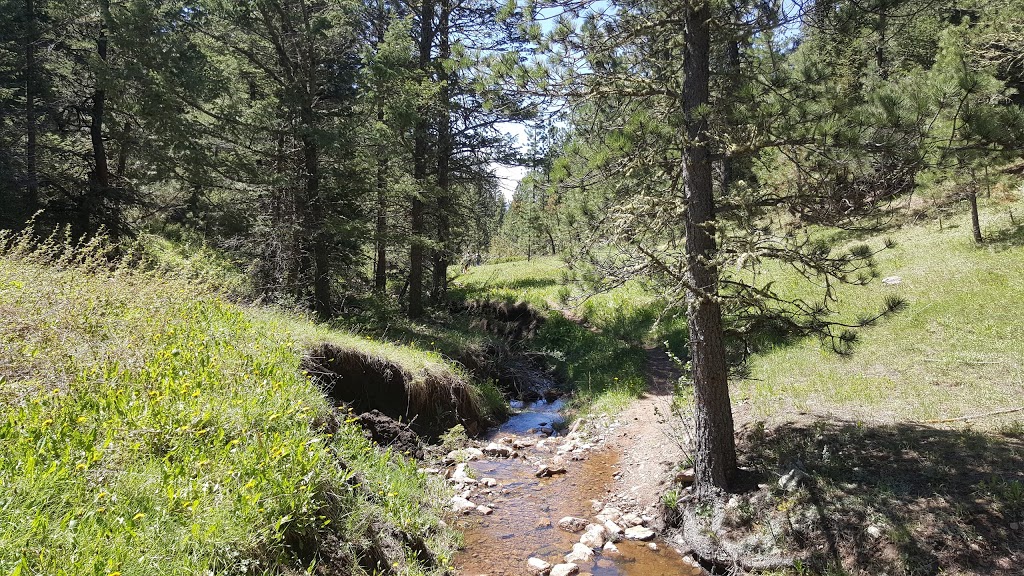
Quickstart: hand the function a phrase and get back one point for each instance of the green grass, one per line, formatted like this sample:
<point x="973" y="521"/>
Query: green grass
<point x="957" y="350"/>
<point x="603" y="360"/>
<point x="150" y="427"/>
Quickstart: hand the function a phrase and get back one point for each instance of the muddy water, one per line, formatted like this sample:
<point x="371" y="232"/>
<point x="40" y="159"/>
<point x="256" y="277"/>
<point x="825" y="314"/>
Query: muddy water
<point x="527" y="510"/>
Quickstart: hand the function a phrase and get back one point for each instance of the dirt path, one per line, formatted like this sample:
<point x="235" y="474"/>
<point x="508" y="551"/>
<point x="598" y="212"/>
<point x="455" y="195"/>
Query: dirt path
<point x="650" y="440"/>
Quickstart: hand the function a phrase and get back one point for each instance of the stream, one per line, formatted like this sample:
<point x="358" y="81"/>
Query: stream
<point x="526" y="509"/>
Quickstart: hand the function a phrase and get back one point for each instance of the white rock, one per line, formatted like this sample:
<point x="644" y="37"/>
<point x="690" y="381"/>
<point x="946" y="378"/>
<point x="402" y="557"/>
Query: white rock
<point x="892" y="280"/>
<point x="538" y="566"/>
<point x="610" y="548"/>
<point x="874" y="531"/>
<point x="652" y="546"/>
<point x="639" y="533"/>
<point x="610" y="513"/>
<point x="464" y="455"/>
<point x="489" y="482"/>
<point x="461" y="505"/>
<point x="580" y="553"/>
<point x="485" y="510"/>
<point x="572" y="524"/>
<point x="632" y="519"/>
<point x="593" y="537"/>
<point x="461" y="476"/>
<point x="791" y="480"/>
<point x="612" y="530"/>
<point x="495" y="449"/>
<point x="569" y="569"/>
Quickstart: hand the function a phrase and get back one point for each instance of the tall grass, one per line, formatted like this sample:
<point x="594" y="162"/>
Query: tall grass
<point x="150" y="427"/>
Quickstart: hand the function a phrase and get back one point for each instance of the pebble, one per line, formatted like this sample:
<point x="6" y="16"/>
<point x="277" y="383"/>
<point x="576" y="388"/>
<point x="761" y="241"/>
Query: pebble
<point x="593" y="537"/>
<point x="546" y="470"/>
<point x="497" y="450"/>
<point x="791" y="480"/>
<point x="580" y="553"/>
<point x="461" y="505"/>
<point x="572" y="524"/>
<point x="610" y="548"/>
<point x="612" y="530"/>
<point x="485" y="510"/>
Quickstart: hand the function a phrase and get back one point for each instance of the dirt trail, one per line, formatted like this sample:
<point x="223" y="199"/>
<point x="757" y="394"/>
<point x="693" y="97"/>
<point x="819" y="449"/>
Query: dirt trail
<point x="650" y="440"/>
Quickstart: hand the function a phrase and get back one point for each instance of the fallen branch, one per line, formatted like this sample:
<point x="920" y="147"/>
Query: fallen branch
<point x="994" y="413"/>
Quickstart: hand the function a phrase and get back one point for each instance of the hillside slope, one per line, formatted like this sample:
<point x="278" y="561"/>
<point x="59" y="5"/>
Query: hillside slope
<point x="149" y="427"/>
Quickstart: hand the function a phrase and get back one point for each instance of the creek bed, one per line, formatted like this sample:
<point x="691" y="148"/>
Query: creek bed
<point x="527" y="510"/>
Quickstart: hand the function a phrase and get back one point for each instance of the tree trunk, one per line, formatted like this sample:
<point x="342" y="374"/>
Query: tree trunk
<point x="380" y="264"/>
<point x="883" y="71"/>
<point x="420" y="169"/>
<point x="442" y="258"/>
<point x="314" y="206"/>
<point x="975" y="221"/>
<point x="715" y="454"/>
<point x="99" y="181"/>
<point x="31" y="170"/>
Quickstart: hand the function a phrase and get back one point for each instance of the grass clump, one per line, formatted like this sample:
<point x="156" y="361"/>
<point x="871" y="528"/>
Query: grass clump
<point x="151" y="427"/>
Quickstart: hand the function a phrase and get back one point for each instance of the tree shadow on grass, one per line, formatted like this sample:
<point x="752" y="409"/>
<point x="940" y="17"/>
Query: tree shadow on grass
<point x="1006" y="238"/>
<point x="937" y="501"/>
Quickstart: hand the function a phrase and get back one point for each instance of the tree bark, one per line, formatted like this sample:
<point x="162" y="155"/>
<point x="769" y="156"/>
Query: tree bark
<point x="101" y="197"/>
<point x="975" y="221"/>
<point x="380" y="262"/>
<point x="442" y="258"/>
<point x="31" y="147"/>
<point x="420" y="150"/>
<point x="715" y="455"/>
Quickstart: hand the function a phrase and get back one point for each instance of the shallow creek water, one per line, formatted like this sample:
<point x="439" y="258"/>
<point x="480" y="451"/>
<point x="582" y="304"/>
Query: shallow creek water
<point x="527" y="510"/>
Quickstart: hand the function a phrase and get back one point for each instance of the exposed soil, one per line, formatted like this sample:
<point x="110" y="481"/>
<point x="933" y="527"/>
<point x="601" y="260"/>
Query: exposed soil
<point x="389" y="433"/>
<point x="430" y="402"/>
<point x="651" y="439"/>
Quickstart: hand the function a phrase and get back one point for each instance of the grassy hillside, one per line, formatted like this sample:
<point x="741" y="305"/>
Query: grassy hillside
<point x="957" y="350"/>
<point x="149" y="427"/>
